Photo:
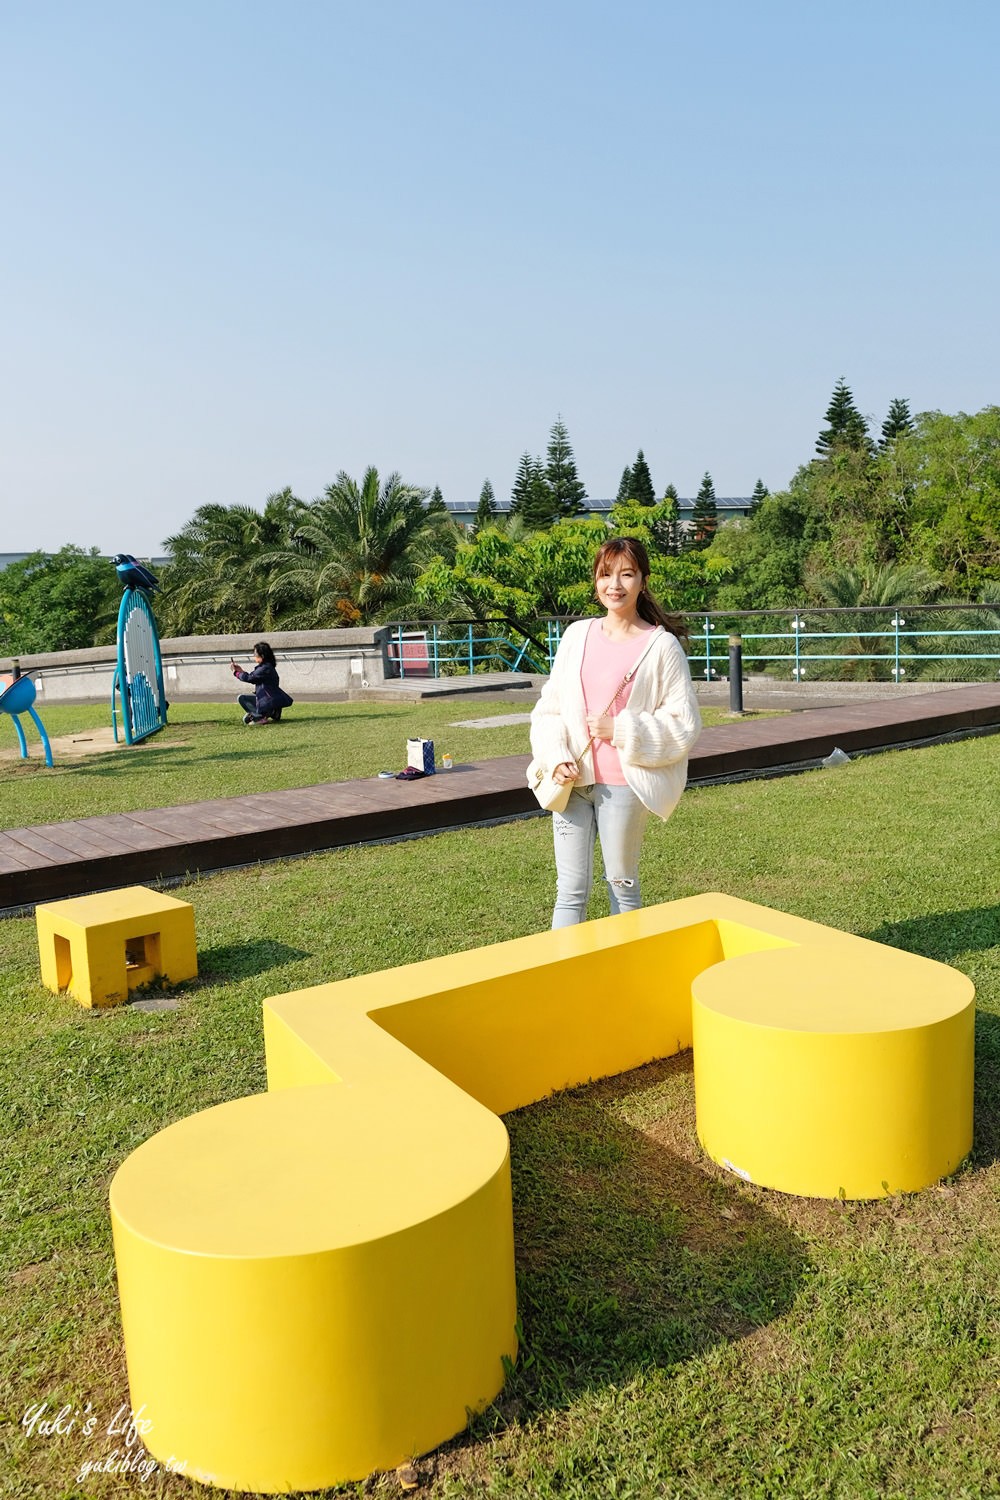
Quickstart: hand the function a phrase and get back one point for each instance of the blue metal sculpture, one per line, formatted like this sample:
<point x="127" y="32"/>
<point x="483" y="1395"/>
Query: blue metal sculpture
<point x="132" y="574"/>
<point x="139" y="673"/>
<point x="19" y="698"/>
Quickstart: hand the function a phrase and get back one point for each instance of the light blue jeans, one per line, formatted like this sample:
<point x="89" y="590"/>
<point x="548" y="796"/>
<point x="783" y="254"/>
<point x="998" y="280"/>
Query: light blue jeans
<point x="615" y="815"/>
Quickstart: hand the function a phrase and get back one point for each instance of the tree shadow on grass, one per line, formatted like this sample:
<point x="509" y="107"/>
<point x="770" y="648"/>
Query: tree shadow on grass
<point x="228" y="961"/>
<point x="629" y="1257"/>
<point x="944" y="936"/>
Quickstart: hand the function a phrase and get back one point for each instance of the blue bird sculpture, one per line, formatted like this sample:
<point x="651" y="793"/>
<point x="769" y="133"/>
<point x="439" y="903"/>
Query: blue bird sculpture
<point x="132" y="574"/>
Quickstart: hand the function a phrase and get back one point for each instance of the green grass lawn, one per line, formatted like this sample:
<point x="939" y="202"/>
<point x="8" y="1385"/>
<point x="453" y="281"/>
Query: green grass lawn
<point x="686" y="1334"/>
<point x="206" y="751"/>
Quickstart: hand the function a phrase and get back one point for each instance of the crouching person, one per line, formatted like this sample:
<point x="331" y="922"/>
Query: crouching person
<point x="264" y="705"/>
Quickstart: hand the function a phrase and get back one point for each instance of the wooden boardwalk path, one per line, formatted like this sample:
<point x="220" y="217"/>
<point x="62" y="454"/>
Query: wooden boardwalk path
<point x="89" y="854"/>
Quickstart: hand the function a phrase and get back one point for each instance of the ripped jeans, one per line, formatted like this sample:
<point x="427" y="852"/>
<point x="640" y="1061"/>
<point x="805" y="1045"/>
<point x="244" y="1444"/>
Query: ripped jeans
<point x="615" y="815"/>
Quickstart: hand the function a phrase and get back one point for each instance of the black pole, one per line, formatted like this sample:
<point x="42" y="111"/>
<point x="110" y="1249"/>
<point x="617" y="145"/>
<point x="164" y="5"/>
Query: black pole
<point x="16" y="672"/>
<point x="735" y="674"/>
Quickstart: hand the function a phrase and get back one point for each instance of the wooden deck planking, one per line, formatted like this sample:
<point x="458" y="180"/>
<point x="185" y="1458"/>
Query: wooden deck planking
<point x="63" y="859"/>
<point x="131" y="834"/>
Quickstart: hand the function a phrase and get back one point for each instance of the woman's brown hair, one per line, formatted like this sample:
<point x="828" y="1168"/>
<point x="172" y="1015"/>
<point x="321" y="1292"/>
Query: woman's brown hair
<point x="630" y="549"/>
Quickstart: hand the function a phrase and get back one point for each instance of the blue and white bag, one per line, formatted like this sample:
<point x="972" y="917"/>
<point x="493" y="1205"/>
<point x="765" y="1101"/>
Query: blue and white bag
<point x="420" y="755"/>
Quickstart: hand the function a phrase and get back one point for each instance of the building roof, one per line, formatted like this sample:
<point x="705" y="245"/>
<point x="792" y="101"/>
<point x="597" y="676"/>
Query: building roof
<point x="598" y="507"/>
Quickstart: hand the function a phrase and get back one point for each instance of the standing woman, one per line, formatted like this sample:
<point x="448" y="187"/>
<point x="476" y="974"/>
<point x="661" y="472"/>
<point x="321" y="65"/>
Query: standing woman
<point x="621" y="740"/>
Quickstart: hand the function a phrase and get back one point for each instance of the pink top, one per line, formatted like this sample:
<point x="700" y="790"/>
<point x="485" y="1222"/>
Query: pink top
<point x="605" y="663"/>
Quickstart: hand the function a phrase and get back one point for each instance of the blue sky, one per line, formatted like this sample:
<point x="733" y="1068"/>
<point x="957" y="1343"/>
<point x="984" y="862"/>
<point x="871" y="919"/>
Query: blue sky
<point x="250" y="244"/>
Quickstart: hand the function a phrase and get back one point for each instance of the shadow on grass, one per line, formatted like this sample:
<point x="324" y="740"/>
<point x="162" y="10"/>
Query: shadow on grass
<point x="290" y="718"/>
<point x="629" y="1257"/>
<point x="986" y="1135"/>
<point x="192" y="757"/>
<point x="228" y="961"/>
<point x="944" y="936"/>
<point x="128" y="759"/>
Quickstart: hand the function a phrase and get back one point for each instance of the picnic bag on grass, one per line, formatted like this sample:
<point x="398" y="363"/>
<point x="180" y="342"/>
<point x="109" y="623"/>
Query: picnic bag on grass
<point x="420" y="755"/>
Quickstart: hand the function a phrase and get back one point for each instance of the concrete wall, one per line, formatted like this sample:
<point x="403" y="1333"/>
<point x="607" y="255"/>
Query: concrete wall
<point x="318" y="664"/>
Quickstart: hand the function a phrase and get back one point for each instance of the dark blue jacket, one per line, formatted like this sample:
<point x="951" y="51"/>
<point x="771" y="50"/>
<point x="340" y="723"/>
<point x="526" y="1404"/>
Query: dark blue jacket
<point x="268" y="695"/>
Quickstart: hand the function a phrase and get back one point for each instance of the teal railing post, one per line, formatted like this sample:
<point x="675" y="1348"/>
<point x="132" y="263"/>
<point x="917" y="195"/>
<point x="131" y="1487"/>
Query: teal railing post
<point x="796" y="627"/>
<point x="472" y="659"/>
<point x="896" y="622"/>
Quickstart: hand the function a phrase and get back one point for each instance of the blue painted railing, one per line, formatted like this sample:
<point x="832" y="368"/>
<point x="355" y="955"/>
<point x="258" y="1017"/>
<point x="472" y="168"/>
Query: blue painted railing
<point x="921" y="641"/>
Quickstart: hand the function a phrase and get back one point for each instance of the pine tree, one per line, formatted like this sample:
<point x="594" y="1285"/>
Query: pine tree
<point x="705" y="516"/>
<point x="642" y="484"/>
<point x="435" y="504"/>
<point x="531" y="497"/>
<point x="760" y="493"/>
<point x="564" y="484"/>
<point x="625" y="487"/>
<point x="487" y="507"/>
<point x="521" y="492"/>
<point x="847" y="427"/>
<point x="540" y="513"/>
<point x="896" y="423"/>
<point x="668" y="531"/>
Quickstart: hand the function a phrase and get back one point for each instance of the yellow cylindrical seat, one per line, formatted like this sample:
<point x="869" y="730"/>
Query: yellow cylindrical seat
<point x="315" y="1283"/>
<point x="839" y="1069"/>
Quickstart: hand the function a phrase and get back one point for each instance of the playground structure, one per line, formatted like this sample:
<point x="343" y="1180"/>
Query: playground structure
<point x="318" y="1282"/>
<point x="17" y="698"/>
<point x="138" y="678"/>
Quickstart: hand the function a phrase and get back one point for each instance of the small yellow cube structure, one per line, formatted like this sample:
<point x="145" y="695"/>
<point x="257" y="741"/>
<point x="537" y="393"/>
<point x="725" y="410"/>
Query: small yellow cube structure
<point x="101" y="947"/>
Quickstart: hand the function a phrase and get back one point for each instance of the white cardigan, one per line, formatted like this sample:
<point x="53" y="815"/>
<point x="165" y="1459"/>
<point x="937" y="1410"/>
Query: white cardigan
<point x="653" y="734"/>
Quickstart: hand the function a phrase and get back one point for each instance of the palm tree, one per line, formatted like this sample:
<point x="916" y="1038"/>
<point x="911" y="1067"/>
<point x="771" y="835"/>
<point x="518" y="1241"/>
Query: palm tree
<point x="889" y="586"/>
<point x="356" y="551"/>
<point x="218" y="579"/>
<point x="945" y="663"/>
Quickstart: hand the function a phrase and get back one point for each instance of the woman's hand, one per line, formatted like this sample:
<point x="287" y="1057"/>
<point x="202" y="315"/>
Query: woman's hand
<point x="601" y="726"/>
<point x="564" y="772"/>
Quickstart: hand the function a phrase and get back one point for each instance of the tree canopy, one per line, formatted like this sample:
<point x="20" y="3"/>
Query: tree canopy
<point x="220" y="575"/>
<point x="917" y="513"/>
<point x="928" y="499"/>
<point x="356" y="552"/>
<point x="62" y="602"/>
<point x="497" y="575"/>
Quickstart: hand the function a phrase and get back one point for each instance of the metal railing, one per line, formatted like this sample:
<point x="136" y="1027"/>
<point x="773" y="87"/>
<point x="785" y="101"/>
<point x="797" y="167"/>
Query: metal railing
<point x="456" y="648"/>
<point x="871" y="643"/>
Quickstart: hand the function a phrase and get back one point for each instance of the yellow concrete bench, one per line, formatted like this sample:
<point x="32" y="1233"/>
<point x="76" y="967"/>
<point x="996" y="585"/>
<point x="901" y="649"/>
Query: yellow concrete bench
<point x="101" y="947"/>
<point x="318" y="1282"/>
